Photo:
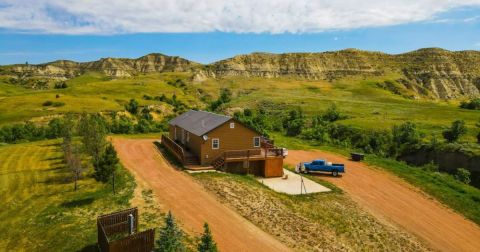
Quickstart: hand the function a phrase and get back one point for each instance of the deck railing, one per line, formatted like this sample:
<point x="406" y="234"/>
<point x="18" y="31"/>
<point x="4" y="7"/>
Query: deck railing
<point x="253" y="153"/>
<point x="174" y="148"/>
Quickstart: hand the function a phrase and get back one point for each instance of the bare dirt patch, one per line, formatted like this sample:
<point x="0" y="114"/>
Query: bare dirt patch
<point x="394" y="201"/>
<point x="315" y="222"/>
<point x="188" y="200"/>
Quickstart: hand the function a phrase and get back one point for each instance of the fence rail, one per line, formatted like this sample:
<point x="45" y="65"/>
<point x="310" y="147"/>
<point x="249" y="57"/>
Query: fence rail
<point x="117" y="223"/>
<point x="174" y="148"/>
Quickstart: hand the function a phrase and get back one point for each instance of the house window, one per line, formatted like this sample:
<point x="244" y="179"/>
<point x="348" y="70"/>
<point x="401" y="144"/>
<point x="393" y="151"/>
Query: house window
<point x="215" y="143"/>
<point x="188" y="136"/>
<point x="232" y="125"/>
<point x="175" y="135"/>
<point x="256" y="142"/>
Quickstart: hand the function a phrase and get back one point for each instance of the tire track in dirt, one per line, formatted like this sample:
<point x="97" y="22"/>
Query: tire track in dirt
<point x="391" y="199"/>
<point x="190" y="202"/>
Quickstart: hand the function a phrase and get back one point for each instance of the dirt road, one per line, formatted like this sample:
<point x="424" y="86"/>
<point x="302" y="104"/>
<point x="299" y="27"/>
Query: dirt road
<point x="391" y="199"/>
<point x="189" y="202"/>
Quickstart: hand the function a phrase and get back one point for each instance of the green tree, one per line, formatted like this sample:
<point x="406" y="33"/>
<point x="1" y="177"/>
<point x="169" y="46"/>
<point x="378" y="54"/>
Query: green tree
<point x="332" y="114"/>
<point x="132" y="106"/>
<point x="405" y="134"/>
<point x="207" y="244"/>
<point x="93" y="131"/>
<point x="463" y="175"/>
<point x="455" y="131"/>
<point x="294" y="123"/>
<point x="170" y="236"/>
<point x="105" y="169"/>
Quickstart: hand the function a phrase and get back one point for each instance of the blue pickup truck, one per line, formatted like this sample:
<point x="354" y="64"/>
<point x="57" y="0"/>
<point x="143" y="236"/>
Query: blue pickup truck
<point x="321" y="165"/>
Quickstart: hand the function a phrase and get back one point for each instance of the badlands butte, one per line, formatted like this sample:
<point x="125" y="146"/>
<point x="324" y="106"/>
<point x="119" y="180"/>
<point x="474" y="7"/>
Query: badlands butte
<point x="425" y="73"/>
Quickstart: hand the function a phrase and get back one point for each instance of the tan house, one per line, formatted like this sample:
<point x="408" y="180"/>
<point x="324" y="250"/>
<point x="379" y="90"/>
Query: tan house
<point x="203" y="139"/>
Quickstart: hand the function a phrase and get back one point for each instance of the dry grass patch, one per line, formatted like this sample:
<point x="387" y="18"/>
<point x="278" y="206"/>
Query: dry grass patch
<point x="325" y="221"/>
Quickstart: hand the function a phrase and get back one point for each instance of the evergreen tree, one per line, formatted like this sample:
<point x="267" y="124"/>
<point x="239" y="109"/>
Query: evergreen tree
<point x="170" y="236"/>
<point x="106" y="166"/>
<point x="207" y="244"/>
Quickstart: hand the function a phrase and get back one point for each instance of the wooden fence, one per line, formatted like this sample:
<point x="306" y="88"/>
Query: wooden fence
<point x="174" y="148"/>
<point x="117" y="224"/>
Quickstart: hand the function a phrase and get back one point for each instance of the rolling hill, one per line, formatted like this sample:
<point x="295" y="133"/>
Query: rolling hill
<point x="425" y="73"/>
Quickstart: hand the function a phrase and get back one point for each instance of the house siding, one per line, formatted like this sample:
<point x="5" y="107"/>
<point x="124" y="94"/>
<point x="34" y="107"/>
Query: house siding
<point x="238" y="138"/>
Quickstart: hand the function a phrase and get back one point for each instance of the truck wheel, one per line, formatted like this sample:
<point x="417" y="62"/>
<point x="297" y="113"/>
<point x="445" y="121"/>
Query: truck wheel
<point x="335" y="173"/>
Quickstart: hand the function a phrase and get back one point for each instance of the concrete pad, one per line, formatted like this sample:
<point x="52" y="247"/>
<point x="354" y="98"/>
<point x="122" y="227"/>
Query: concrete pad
<point x="292" y="185"/>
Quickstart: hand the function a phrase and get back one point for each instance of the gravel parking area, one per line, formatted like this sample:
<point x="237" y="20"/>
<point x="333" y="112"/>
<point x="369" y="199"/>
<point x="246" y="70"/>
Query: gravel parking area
<point x="293" y="184"/>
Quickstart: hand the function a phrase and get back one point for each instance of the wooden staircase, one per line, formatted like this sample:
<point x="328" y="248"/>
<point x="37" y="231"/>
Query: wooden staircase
<point x="218" y="163"/>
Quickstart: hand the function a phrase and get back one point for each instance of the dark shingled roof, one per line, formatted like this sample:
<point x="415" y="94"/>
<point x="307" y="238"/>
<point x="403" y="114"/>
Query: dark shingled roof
<point x="199" y="122"/>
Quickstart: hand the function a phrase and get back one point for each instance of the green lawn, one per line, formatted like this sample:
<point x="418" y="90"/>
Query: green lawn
<point x="40" y="209"/>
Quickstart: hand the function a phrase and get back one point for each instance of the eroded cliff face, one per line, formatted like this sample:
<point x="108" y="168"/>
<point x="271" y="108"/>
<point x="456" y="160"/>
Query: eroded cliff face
<point x="114" y="67"/>
<point x="431" y="72"/>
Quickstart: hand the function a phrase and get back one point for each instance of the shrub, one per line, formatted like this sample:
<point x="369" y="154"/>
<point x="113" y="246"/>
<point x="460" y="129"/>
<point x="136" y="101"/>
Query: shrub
<point x="472" y="104"/>
<point x="463" y="175"/>
<point x="332" y="114"/>
<point x="455" y="131"/>
<point x="47" y="103"/>
<point x="132" y="106"/>
<point x="225" y="97"/>
<point x="60" y="85"/>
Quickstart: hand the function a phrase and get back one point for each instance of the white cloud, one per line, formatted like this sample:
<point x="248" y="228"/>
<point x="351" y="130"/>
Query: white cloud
<point x="273" y="16"/>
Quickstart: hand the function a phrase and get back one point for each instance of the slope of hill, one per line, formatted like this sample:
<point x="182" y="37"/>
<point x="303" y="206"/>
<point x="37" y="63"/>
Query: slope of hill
<point x="430" y="73"/>
<point x="113" y="67"/>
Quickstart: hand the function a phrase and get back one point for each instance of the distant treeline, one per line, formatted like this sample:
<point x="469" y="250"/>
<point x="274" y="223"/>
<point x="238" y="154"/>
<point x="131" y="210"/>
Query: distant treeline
<point x="29" y="131"/>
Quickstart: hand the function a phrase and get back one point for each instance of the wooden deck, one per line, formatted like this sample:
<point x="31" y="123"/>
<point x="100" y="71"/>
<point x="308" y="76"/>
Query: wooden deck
<point x="252" y="155"/>
<point x="190" y="161"/>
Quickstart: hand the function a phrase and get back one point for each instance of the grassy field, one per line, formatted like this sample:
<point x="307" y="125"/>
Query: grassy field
<point x="367" y="105"/>
<point x="87" y="93"/>
<point x="463" y="198"/>
<point x="40" y="209"/>
<point x="315" y="222"/>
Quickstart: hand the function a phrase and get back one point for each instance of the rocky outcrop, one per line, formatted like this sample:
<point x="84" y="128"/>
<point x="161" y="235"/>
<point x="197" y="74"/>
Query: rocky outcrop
<point x="114" y="67"/>
<point x="430" y="72"/>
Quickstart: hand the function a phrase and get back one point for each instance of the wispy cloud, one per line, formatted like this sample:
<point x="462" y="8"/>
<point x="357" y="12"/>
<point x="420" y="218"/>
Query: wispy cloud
<point x="257" y="16"/>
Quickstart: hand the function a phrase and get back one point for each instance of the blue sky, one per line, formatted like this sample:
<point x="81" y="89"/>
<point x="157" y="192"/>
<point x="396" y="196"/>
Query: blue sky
<point x="58" y="33"/>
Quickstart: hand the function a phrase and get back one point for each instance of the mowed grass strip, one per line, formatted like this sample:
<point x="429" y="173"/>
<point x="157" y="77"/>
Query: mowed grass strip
<point x="40" y="209"/>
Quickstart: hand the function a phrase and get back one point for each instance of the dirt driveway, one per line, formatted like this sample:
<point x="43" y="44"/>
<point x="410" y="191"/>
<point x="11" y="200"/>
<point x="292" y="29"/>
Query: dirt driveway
<point x="391" y="199"/>
<point x="189" y="202"/>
